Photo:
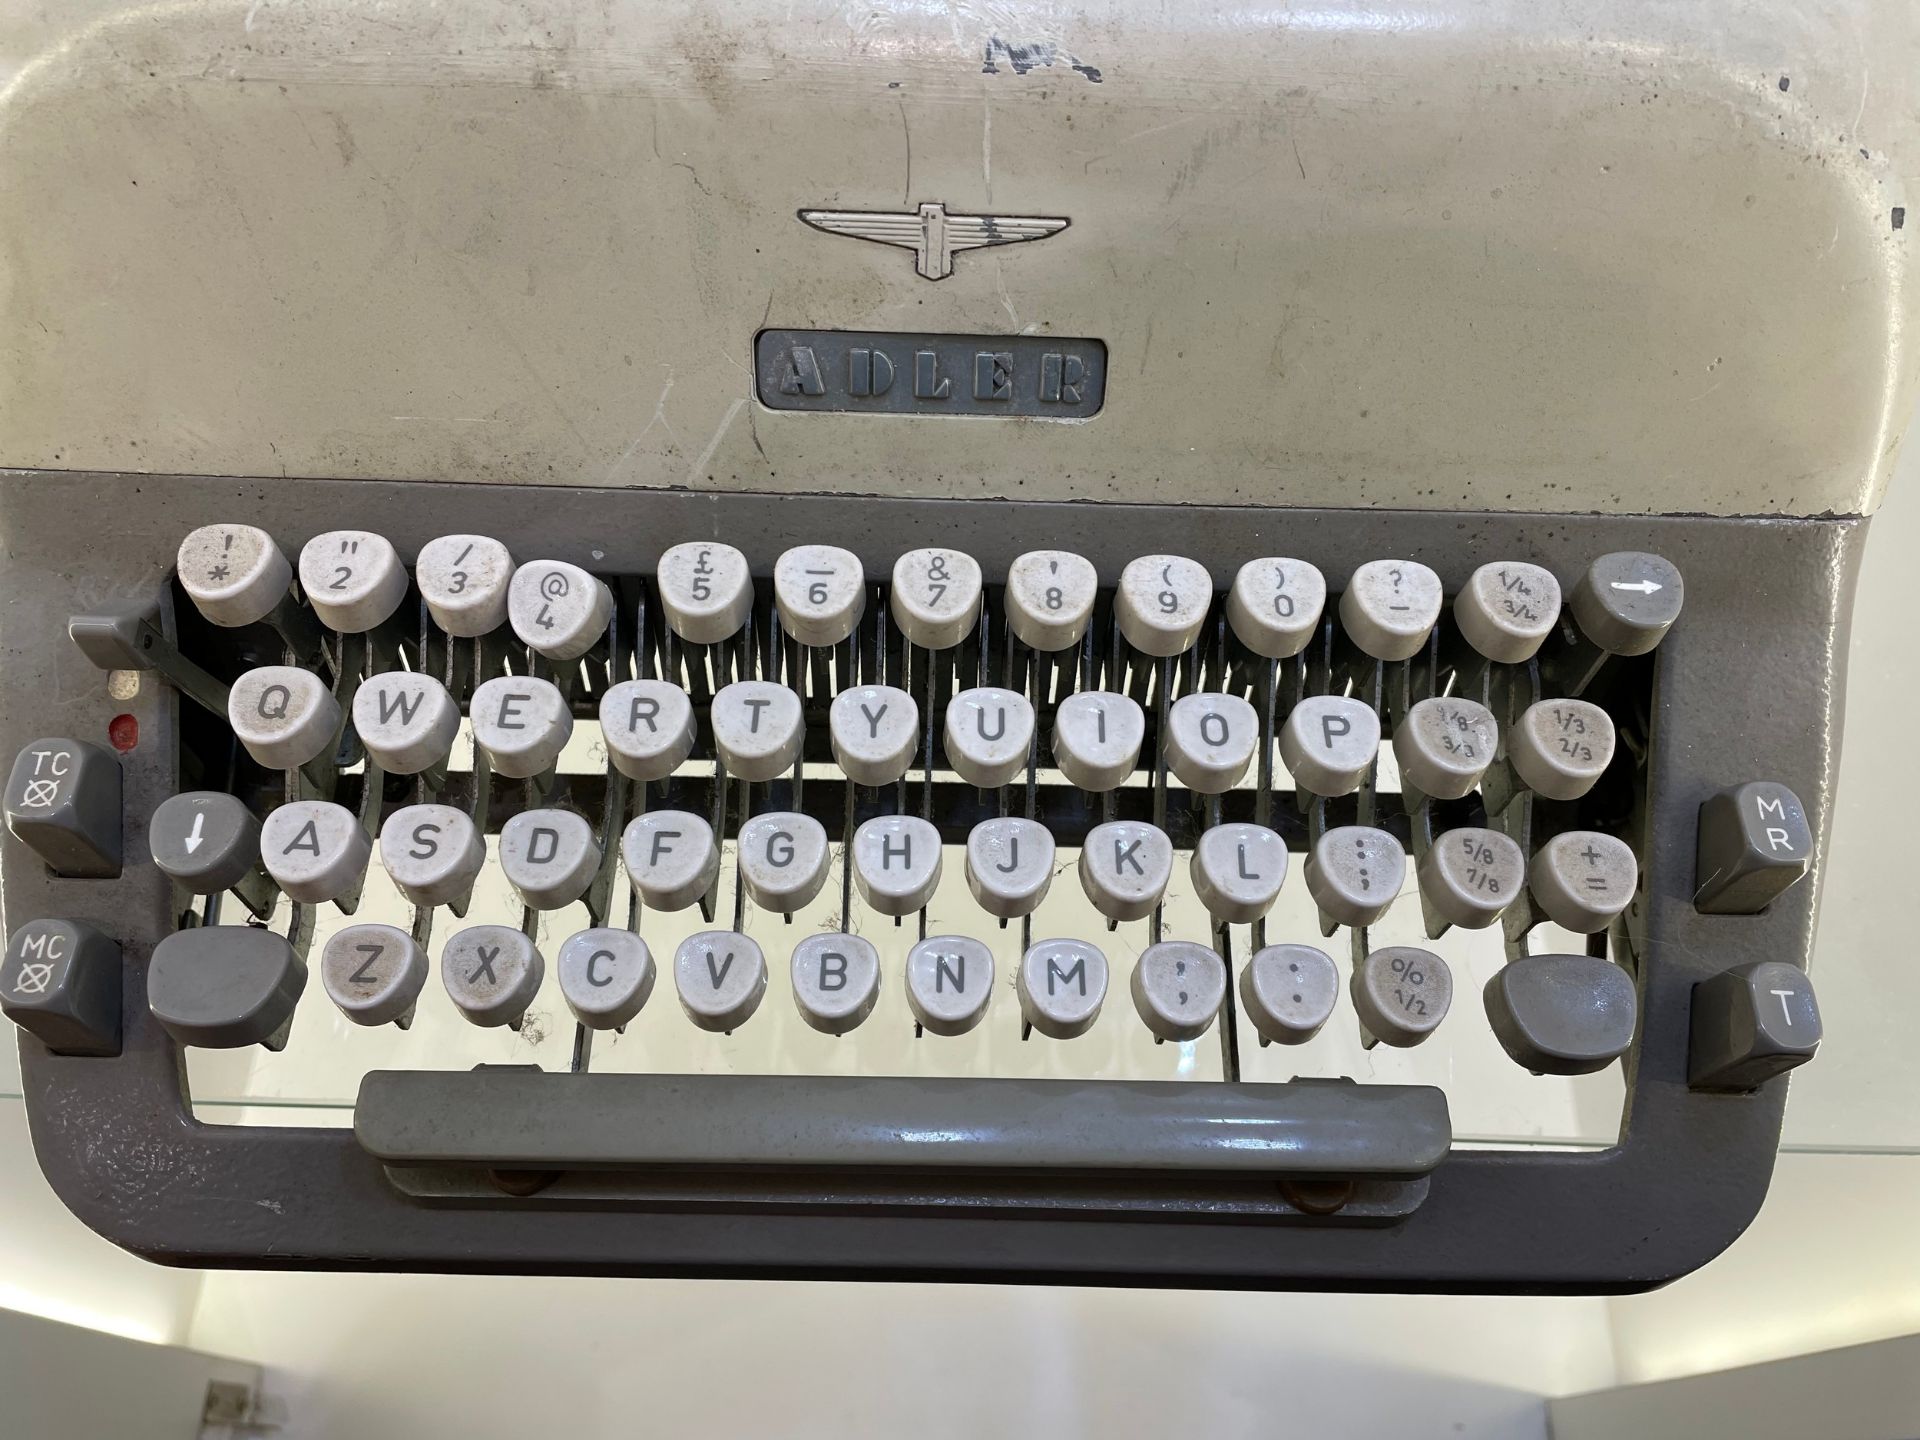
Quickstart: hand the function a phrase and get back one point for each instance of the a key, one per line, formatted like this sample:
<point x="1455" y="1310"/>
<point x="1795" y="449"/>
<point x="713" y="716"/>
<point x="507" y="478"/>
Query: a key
<point x="836" y="980"/>
<point x="896" y="863"/>
<point x="989" y="732"/>
<point x="783" y="860"/>
<point x="1328" y="744"/>
<point x="1562" y="1014"/>
<point x="1050" y="595"/>
<point x="406" y="720"/>
<point x="1444" y="746"/>
<point x="315" y="851"/>
<point x="1178" y="987"/>
<point x="1749" y="1024"/>
<point x="1626" y="602"/>
<point x="1061" y="984"/>
<point x="1581" y="880"/>
<point x="1288" y="992"/>
<point x="1353" y="873"/>
<point x="936" y="597"/>
<point x="819" y="591"/>
<point x="1507" y="609"/>
<point x="1162" y="603"/>
<point x="758" y="728"/>
<point x="1097" y="737"/>
<point x="949" y="982"/>
<point x="549" y="857"/>
<point x="432" y="853"/>
<point x="464" y="580"/>
<point x="1237" y="871"/>
<point x="1401" y="994"/>
<point x="521" y="724"/>
<point x="706" y="590"/>
<point x="1009" y="865"/>
<point x="1470" y="875"/>
<point x="1753" y="842"/>
<point x="721" y="976"/>
<point x="1124" y="868"/>
<point x="220" y="987"/>
<point x="284" y="716"/>
<point x="557" y="609"/>
<point x="648" y="726"/>
<point x="373" y="973"/>
<point x="1389" y="608"/>
<point x="1559" y="748"/>
<point x="60" y="982"/>
<point x="605" y="976"/>
<point x="1209" y="742"/>
<point x="671" y="858"/>
<point x="875" y="731"/>
<point x="353" y="579"/>
<point x="63" y="802"/>
<point x="204" y="839"/>
<point x="492" y="973"/>
<point x="1275" y="605"/>
<point x="234" y="574"/>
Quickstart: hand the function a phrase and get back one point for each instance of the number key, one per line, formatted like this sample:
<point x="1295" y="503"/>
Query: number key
<point x="1050" y="596"/>
<point x="820" y="591"/>
<point x="936" y="597"/>
<point x="1470" y="875"/>
<point x="1275" y="605"/>
<point x="706" y="590"/>
<point x="1162" y="603"/>
<point x="1560" y="747"/>
<point x="1401" y="994"/>
<point x="464" y="580"/>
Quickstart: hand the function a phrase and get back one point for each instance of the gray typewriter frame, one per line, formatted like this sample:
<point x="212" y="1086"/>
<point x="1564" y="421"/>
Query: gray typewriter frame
<point x="1748" y="685"/>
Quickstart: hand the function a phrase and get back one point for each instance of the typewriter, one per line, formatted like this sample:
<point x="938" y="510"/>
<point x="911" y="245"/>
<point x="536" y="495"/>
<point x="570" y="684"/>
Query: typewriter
<point x="1105" y="647"/>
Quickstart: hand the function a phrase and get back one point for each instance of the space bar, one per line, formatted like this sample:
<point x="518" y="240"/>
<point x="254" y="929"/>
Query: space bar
<point x="530" y="1119"/>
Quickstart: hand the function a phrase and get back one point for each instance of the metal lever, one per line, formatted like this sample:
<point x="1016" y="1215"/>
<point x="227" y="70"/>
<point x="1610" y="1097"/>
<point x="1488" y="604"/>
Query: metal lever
<point x="131" y="641"/>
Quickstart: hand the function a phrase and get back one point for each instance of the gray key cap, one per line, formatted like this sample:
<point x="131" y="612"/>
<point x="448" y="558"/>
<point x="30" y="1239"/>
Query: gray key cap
<point x="1627" y="601"/>
<point x="1562" y="1014"/>
<point x="63" y="802"/>
<point x="896" y="863"/>
<point x="492" y="973"/>
<point x="206" y="840"/>
<point x="1237" y="871"/>
<point x="836" y="980"/>
<point x="1444" y="746"/>
<point x="1178" y="987"/>
<point x="285" y="716"/>
<point x="949" y="982"/>
<point x="783" y="860"/>
<point x="721" y="976"/>
<point x="1009" y="866"/>
<point x="1062" y="984"/>
<point x="606" y="976"/>
<point x="1097" y="736"/>
<point x="1559" y="748"/>
<point x="406" y="720"/>
<point x="374" y="974"/>
<point x="1288" y="992"/>
<point x="1328" y="743"/>
<point x="224" y="986"/>
<point x="1124" y="868"/>
<point x="648" y="726"/>
<point x="1470" y="876"/>
<point x="1209" y="741"/>
<point x="60" y="981"/>
<point x="1581" y="880"/>
<point x="1751" y="1023"/>
<point x="1401" y="994"/>
<point x="549" y="857"/>
<point x="315" y="851"/>
<point x="671" y="857"/>
<point x="875" y="731"/>
<point x="432" y="853"/>
<point x="521" y="723"/>
<point x="234" y="574"/>
<point x="1507" y="609"/>
<point x="1754" y="842"/>
<point x="988" y="734"/>
<point x="1354" y="872"/>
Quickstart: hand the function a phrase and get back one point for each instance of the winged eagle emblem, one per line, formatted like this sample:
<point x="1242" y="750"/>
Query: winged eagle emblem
<point x="933" y="235"/>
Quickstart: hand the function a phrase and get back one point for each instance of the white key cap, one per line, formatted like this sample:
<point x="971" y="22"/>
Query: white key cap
<point x="670" y="857"/>
<point x="1507" y="609"/>
<point x="1444" y="746"/>
<point x="406" y="719"/>
<point x="1237" y="871"/>
<point x="1401" y="994"/>
<point x="989" y="732"/>
<point x="1097" y="735"/>
<point x="949" y="982"/>
<point x="936" y="597"/>
<point x="783" y="860"/>
<point x="1210" y="741"/>
<point x="1178" y="987"/>
<point x="1162" y="602"/>
<point x="549" y="857"/>
<point x="876" y="730"/>
<point x="1061" y="984"/>
<point x="432" y="852"/>
<point x="373" y="973"/>
<point x="1009" y="866"/>
<point x="1471" y="875"/>
<point x="1050" y="595"/>
<point x="1124" y="868"/>
<point x="648" y="726"/>
<point x="721" y="976"/>
<point x="1390" y="606"/>
<point x="352" y="578"/>
<point x="558" y="609"/>
<point x="492" y="972"/>
<point x="819" y="591"/>
<point x="836" y="980"/>
<point x="1288" y="992"/>
<point x="1328" y="743"/>
<point x="606" y="976"/>
<point x="284" y="716"/>
<point x="234" y="574"/>
<point x="1275" y="605"/>
<point x="896" y="863"/>
<point x="1582" y="879"/>
<point x="464" y="580"/>
<point x="1560" y="747"/>
<point x="315" y="851"/>
<point x="758" y="728"/>
<point x="706" y="590"/>
<point x="1354" y="872"/>
<point x="522" y="724"/>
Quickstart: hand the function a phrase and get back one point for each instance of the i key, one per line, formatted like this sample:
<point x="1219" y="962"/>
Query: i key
<point x="1097" y="736"/>
<point x="1210" y="740"/>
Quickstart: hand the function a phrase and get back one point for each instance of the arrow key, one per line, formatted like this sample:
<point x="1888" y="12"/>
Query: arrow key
<point x="1627" y="600"/>
<point x="206" y="840"/>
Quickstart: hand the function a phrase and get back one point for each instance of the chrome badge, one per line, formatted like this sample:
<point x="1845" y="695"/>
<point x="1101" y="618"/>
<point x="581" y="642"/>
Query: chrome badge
<point x="933" y="235"/>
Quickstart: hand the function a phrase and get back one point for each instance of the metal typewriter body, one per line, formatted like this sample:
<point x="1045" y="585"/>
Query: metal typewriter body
<point x="1477" y="290"/>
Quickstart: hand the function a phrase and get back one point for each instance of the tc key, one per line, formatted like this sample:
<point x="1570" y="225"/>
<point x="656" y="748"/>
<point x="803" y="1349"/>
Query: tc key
<point x="63" y="799"/>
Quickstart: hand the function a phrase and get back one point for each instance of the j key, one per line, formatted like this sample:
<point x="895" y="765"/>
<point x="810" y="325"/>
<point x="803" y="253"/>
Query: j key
<point x="1050" y="595"/>
<point x="896" y="863"/>
<point x="936" y="597"/>
<point x="406" y="720"/>
<point x="1751" y="1023"/>
<point x="315" y="851"/>
<point x="783" y="860"/>
<point x="1401" y="994"/>
<point x="63" y="800"/>
<point x="721" y="976"/>
<point x="60" y="981"/>
<point x="464" y="580"/>
<point x="373" y="973"/>
<point x="949" y="982"/>
<point x="1162" y="603"/>
<point x="876" y="731"/>
<point x="224" y="986"/>
<point x="1754" y="841"/>
<point x="1559" y="748"/>
<point x="1124" y="868"/>
<point x="1581" y="880"/>
<point x="1178" y="987"/>
<point x="432" y="853"/>
<point x="234" y="574"/>
<point x="758" y="728"/>
<point x="648" y="726"/>
<point x="1288" y="992"/>
<point x="205" y="840"/>
<point x="549" y="857"/>
<point x="1470" y="875"/>
<point x="836" y="980"/>
<point x="605" y="976"/>
<point x="989" y="733"/>
<point x="1626" y="602"/>
<point x="819" y="591"/>
<point x="1097" y="737"/>
<point x="1507" y="609"/>
<point x="1562" y="1014"/>
<point x="521" y="724"/>
<point x="1009" y="866"/>
<point x="1237" y="871"/>
<point x="1210" y="741"/>
<point x="1444" y="746"/>
<point x="1275" y="605"/>
<point x="671" y="858"/>
<point x="1389" y="608"/>
<point x="557" y="609"/>
<point x="1062" y="984"/>
<point x="283" y="715"/>
<point x="1354" y="872"/>
<point x="492" y="973"/>
<point x="352" y="578"/>
<point x="706" y="590"/>
<point x="1328" y="744"/>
